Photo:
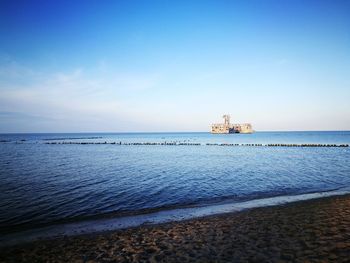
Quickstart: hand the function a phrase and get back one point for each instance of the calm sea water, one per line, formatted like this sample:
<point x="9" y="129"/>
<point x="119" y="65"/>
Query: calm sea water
<point x="43" y="184"/>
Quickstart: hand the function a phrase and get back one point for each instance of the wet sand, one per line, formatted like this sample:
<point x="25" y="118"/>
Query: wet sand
<point x="307" y="231"/>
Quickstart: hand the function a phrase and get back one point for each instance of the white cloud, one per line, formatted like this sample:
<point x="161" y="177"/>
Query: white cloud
<point x="73" y="97"/>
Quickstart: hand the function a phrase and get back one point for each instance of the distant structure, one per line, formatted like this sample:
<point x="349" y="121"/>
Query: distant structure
<point x="226" y="127"/>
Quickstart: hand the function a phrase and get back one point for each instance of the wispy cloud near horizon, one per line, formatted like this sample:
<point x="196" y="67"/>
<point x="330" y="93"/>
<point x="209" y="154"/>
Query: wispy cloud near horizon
<point x="71" y="97"/>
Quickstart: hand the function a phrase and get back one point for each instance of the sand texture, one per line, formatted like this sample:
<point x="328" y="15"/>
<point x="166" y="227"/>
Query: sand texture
<point x="307" y="231"/>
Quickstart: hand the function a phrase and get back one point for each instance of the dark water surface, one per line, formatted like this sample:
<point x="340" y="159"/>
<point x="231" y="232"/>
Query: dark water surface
<point x="43" y="184"/>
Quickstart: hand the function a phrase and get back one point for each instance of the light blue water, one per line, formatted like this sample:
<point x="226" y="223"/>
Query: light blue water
<point x="43" y="184"/>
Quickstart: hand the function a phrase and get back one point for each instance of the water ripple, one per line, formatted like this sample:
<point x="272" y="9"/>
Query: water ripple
<point x="42" y="184"/>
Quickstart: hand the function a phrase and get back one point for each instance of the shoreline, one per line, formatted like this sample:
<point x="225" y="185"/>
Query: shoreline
<point x="177" y="214"/>
<point x="315" y="229"/>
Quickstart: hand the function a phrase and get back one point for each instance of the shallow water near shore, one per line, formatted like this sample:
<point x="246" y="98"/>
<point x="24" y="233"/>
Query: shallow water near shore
<point x="43" y="185"/>
<point x="159" y="217"/>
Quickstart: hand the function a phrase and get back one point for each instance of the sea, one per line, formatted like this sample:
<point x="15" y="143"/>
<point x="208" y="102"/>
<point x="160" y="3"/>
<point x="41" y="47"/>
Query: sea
<point x="61" y="183"/>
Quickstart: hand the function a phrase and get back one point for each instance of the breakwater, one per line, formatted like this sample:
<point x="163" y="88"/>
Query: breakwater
<point x="206" y="144"/>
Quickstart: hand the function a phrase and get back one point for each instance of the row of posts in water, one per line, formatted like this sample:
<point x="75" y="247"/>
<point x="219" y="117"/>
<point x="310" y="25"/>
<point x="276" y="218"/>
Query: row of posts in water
<point x="208" y="144"/>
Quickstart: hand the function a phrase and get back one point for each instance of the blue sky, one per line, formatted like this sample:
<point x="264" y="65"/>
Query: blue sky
<point x="85" y="66"/>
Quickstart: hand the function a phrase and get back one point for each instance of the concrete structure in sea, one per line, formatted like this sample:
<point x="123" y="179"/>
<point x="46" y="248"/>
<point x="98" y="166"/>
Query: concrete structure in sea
<point x="227" y="127"/>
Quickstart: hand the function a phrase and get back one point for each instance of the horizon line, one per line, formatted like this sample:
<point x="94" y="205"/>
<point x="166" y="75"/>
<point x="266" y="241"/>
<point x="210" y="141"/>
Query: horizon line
<point x="138" y="132"/>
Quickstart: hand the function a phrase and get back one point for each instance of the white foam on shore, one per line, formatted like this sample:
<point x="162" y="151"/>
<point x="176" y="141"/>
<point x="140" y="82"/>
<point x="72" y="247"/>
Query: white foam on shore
<point x="164" y="216"/>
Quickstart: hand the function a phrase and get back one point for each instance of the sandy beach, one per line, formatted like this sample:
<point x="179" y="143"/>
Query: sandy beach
<point x="307" y="231"/>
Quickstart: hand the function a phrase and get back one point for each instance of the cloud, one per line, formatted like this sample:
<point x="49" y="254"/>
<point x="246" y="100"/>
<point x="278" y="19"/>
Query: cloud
<point x="89" y="99"/>
<point x="8" y="115"/>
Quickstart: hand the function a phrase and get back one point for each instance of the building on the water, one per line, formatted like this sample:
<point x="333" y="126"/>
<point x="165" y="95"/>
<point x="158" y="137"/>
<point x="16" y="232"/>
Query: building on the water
<point x="227" y="127"/>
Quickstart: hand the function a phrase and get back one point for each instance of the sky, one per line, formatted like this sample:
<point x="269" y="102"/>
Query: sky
<point x="162" y="66"/>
